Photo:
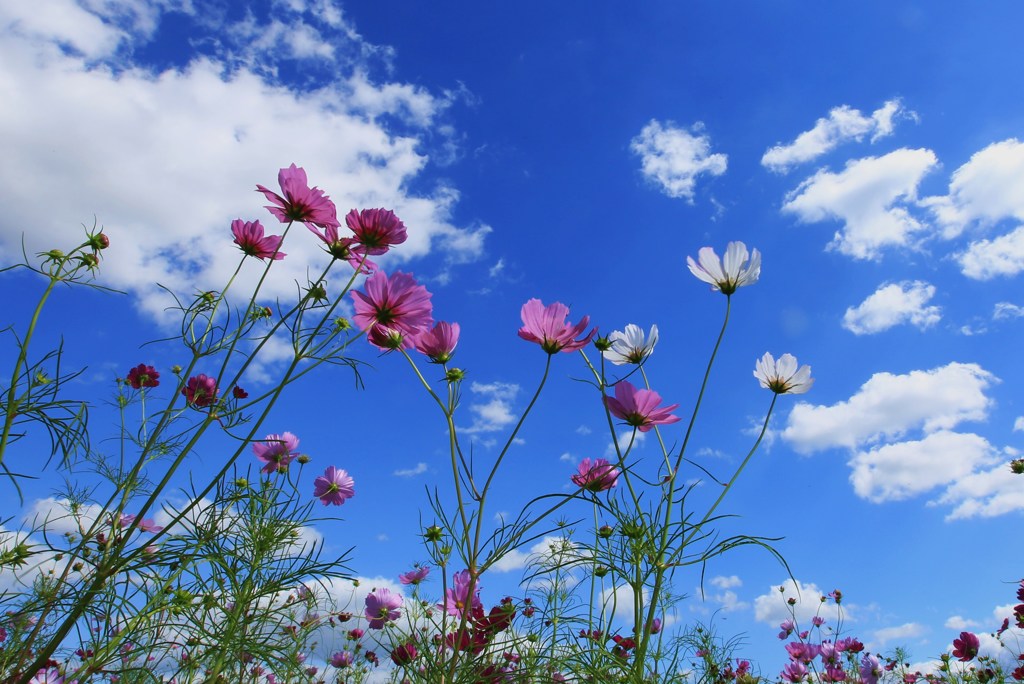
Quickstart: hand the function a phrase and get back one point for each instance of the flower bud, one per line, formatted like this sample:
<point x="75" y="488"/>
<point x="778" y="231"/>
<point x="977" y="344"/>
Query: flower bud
<point x="433" y="533"/>
<point x="602" y="344"/>
<point x="605" y="531"/>
<point x="455" y="375"/>
<point x="99" y="241"/>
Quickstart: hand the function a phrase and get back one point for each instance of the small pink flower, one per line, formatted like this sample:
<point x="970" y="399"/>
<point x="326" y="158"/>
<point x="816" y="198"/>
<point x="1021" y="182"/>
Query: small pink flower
<point x="794" y="672"/>
<point x="414" y="576"/>
<point x="300" y="202"/>
<point x="546" y="326"/>
<point x="639" y="407"/>
<point x="438" y="344"/>
<point x="342" y="659"/>
<point x="966" y="647"/>
<point x="396" y="302"/>
<point x="382" y="606"/>
<point x="48" y="676"/>
<point x="376" y="229"/>
<point x="250" y="237"/>
<point x="146" y="524"/>
<point x="200" y="391"/>
<point x="335" y="486"/>
<point x="596" y="476"/>
<point x="143" y="376"/>
<point x="276" y="451"/>
<point x="457" y="598"/>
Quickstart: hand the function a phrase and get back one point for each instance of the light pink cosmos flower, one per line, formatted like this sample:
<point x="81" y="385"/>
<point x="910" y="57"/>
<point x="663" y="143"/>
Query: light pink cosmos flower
<point x="414" y="576"/>
<point x="146" y="524"/>
<point x="639" y="407"/>
<point x="731" y="272"/>
<point x="276" y="452"/>
<point x="596" y="476"/>
<point x="300" y="202"/>
<point x="396" y="302"/>
<point x="782" y="376"/>
<point x="382" y="606"/>
<point x="438" y="344"/>
<point x="50" y="675"/>
<point x="342" y="659"/>
<point x="546" y="326"/>
<point x="335" y="486"/>
<point x="457" y="599"/>
<point x="250" y="237"/>
<point x="376" y="229"/>
<point x="200" y="391"/>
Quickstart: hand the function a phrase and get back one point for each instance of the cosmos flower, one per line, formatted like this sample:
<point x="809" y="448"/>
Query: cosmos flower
<point x="546" y="326"/>
<point x="396" y="302"/>
<point x="276" y="451"/>
<point x="438" y="344"/>
<point x="300" y="202"/>
<point x="782" y="376"/>
<point x="630" y="346"/>
<point x="596" y="476"/>
<point x="335" y="486"/>
<point x="639" y="407"/>
<point x="457" y="599"/>
<point x="382" y="606"/>
<point x="414" y="576"/>
<point x="143" y="376"/>
<point x="200" y="391"/>
<point x="731" y="272"/>
<point x="249" y="236"/>
<point x="376" y="229"/>
<point x="966" y="647"/>
<point x="342" y="659"/>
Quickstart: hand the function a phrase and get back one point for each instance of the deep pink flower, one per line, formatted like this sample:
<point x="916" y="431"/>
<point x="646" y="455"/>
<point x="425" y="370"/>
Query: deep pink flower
<point x="345" y="248"/>
<point x="200" y="391"/>
<point x="276" y="451"/>
<point x="382" y="607"/>
<point x="414" y="576"/>
<point x="355" y="634"/>
<point x="596" y="476"/>
<point x="396" y="302"/>
<point x="639" y="407"/>
<point x="457" y="599"/>
<point x="143" y="376"/>
<point x="404" y="654"/>
<point x="342" y="659"/>
<point x="300" y="202"/>
<point x="966" y="647"/>
<point x="546" y="326"/>
<point x="794" y="672"/>
<point x="335" y="486"/>
<point x="787" y="628"/>
<point x="249" y="236"/>
<point x="438" y="344"/>
<point x="239" y="393"/>
<point x="376" y="229"/>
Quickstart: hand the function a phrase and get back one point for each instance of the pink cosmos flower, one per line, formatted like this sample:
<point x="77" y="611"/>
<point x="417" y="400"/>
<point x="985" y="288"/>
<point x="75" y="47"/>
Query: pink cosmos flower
<point x="249" y="236"/>
<point x="438" y="344"/>
<point x="382" y="606"/>
<point x="146" y="524"/>
<point x="457" y="599"/>
<point x="404" y="654"/>
<point x="143" y="376"/>
<point x="345" y="248"/>
<point x="49" y="675"/>
<point x="966" y="647"/>
<point x="276" y="452"/>
<point x="870" y="669"/>
<point x="414" y="576"/>
<point x="794" y="672"/>
<point x="335" y="486"/>
<point x="546" y="326"/>
<point x="200" y="391"/>
<point x="376" y="229"/>
<point x="639" y="407"/>
<point x="396" y="302"/>
<point x="300" y="202"/>
<point x="731" y="272"/>
<point x="596" y="476"/>
<point x="342" y="659"/>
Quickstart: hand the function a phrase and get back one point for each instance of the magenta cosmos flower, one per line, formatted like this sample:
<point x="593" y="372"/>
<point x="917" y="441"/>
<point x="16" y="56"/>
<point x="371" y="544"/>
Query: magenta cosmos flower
<point x="382" y="606"/>
<point x="200" y="391"/>
<point x="376" y="229"/>
<point x="276" y="452"/>
<point x="143" y="376"/>
<point x="250" y="237"/>
<point x="639" y="407"/>
<point x="783" y="376"/>
<point x="966" y="647"/>
<point x="438" y="344"/>
<point x="404" y="654"/>
<point x="396" y="303"/>
<point x="595" y="476"/>
<point x="414" y="576"/>
<point x="342" y="659"/>
<point x="300" y="202"/>
<point x="729" y="273"/>
<point x="345" y="248"/>
<point x="335" y="486"/>
<point x="546" y="326"/>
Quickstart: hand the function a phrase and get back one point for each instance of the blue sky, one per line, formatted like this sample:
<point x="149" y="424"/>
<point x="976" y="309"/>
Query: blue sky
<point x="578" y="152"/>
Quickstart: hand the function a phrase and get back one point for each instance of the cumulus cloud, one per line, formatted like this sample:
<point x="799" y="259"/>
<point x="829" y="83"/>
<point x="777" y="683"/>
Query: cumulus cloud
<point x="871" y="197"/>
<point x="1007" y="310"/>
<point x="959" y="622"/>
<point x="165" y="158"/>
<point x="893" y="304"/>
<point x="772" y="607"/>
<point x="842" y="124"/>
<point x="1018" y="425"/>
<point x="673" y="157"/>
<point x="984" y="494"/>
<point x="899" y="633"/>
<point x="887" y="406"/>
<point x="988" y="259"/>
<point x="987" y="189"/>
<point x="492" y="411"/>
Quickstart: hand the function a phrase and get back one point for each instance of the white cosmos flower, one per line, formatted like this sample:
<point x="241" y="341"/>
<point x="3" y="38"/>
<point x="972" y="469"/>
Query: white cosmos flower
<point x="629" y="345"/>
<point x="782" y="376"/>
<point x="731" y="272"/>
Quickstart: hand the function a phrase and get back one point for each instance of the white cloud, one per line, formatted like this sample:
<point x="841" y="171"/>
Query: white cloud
<point x="987" y="189"/>
<point x="870" y="197"/>
<point x="959" y="622"/>
<point x="419" y="469"/>
<point x="549" y="550"/>
<point x="673" y="157"/>
<point x="165" y="160"/>
<point x="493" y="412"/>
<point x="1006" y="310"/>
<point x="984" y="494"/>
<point x="899" y="471"/>
<point x="627" y="439"/>
<point x="723" y="582"/>
<point x="842" y="124"/>
<point x="772" y="607"/>
<point x="892" y="304"/>
<point x="900" y="633"/>
<point x="988" y="259"/>
<point x="1018" y="425"/>
<point x="888" y="405"/>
